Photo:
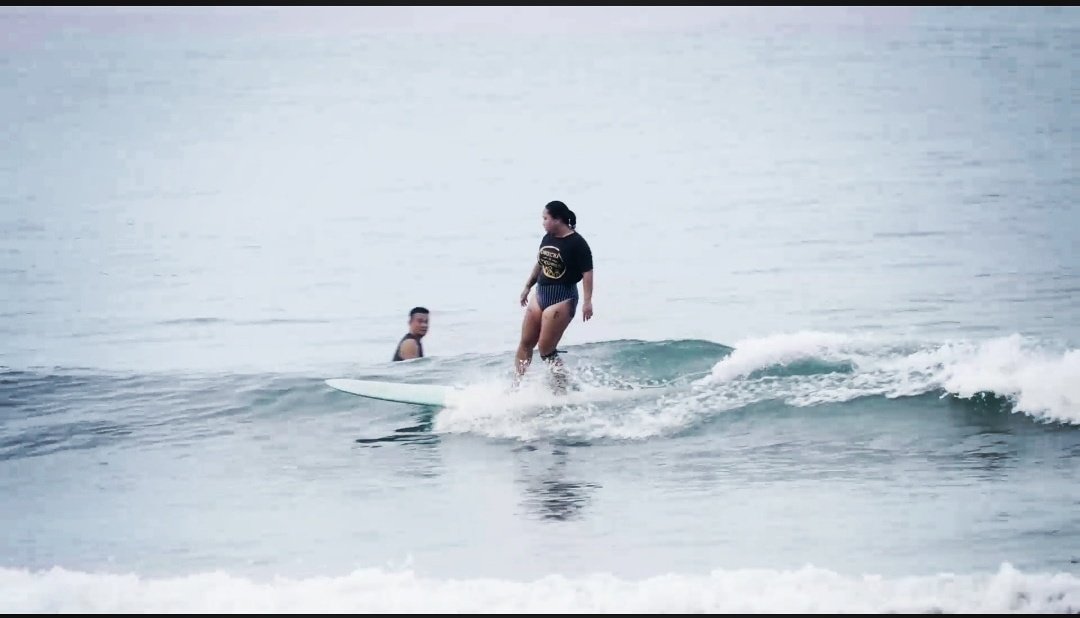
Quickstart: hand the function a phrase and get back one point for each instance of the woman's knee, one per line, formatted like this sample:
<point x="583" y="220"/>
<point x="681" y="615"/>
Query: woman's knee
<point x="530" y="340"/>
<point x="530" y="331"/>
<point x="550" y="337"/>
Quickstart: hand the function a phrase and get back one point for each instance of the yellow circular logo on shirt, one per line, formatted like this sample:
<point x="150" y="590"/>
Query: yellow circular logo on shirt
<point x="551" y="262"/>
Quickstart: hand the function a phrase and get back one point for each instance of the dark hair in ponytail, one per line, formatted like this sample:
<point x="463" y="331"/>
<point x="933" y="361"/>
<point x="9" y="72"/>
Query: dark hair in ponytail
<point x="560" y="211"/>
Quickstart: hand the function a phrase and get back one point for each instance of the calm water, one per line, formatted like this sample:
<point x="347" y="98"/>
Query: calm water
<point x="833" y="365"/>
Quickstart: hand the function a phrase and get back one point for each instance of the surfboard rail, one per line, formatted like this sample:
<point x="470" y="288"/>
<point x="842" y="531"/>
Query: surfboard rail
<point x="399" y="392"/>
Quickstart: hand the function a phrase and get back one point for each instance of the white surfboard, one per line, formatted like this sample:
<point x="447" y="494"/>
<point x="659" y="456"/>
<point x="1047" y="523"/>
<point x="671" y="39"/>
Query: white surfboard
<point x="401" y="392"/>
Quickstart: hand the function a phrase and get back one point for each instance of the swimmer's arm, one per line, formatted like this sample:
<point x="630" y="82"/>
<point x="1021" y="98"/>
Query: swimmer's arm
<point x="409" y="349"/>
<point x="586" y="284"/>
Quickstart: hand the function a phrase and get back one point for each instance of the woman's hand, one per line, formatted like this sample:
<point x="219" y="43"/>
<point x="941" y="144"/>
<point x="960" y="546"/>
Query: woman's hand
<point x="524" y="296"/>
<point x="586" y="311"/>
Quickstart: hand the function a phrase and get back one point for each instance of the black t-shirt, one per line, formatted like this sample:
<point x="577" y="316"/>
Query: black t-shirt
<point x="563" y="260"/>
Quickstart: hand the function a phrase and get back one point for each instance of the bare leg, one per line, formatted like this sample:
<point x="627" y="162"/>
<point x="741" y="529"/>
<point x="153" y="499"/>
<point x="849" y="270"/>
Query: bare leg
<point x="530" y="334"/>
<point x="552" y="326"/>
<point x="559" y="379"/>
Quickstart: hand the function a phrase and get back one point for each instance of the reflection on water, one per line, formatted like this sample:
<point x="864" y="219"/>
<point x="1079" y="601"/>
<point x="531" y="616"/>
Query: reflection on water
<point x="417" y="433"/>
<point x="548" y="492"/>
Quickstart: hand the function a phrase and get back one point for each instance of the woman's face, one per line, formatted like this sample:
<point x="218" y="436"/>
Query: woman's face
<point x="551" y="224"/>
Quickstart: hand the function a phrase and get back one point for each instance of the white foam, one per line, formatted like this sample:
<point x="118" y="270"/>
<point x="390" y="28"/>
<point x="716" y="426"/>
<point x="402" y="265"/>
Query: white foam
<point x="531" y="412"/>
<point x="805" y="590"/>
<point x="1040" y="380"/>
<point x="781" y="349"/>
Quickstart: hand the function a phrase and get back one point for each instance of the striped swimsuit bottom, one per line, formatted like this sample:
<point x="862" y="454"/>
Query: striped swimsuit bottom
<point x="548" y="294"/>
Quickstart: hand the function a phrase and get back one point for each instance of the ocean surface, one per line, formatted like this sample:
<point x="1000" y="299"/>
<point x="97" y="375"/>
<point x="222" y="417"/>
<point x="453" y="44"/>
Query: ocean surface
<point x="834" y="364"/>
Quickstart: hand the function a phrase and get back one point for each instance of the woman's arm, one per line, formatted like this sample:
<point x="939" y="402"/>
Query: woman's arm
<point x="533" y="276"/>
<point x="586" y="306"/>
<point x="585" y="259"/>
